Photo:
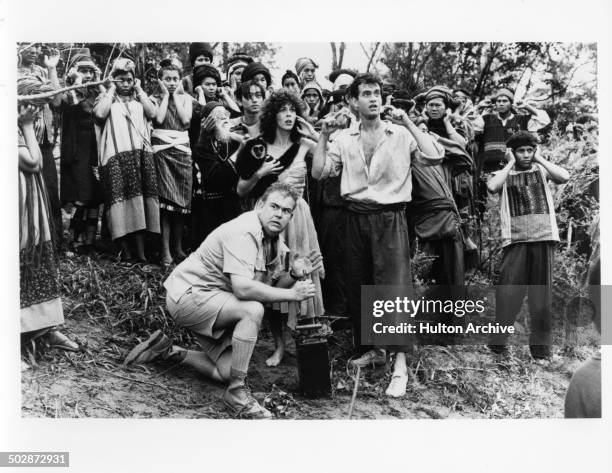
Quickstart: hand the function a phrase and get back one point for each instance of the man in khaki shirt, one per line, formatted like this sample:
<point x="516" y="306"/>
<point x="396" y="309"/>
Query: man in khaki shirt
<point x="374" y="163"/>
<point x="219" y="290"/>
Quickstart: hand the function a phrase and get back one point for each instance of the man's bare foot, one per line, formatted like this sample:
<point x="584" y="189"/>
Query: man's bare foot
<point x="276" y="357"/>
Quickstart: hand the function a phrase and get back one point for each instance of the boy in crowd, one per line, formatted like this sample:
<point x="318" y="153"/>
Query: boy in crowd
<point x="170" y="142"/>
<point x="251" y="95"/>
<point x="501" y="123"/>
<point x="529" y="233"/>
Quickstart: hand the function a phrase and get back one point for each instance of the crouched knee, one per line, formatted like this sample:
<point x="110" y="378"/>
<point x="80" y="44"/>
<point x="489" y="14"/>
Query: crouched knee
<point x="254" y="311"/>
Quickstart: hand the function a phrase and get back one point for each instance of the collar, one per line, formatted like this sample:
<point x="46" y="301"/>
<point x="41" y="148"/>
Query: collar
<point x="255" y="229"/>
<point x="386" y="127"/>
<point x="509" y="117"/>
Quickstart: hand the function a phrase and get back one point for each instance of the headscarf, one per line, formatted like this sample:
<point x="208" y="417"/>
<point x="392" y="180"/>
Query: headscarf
<point x="32" y="85"/>
<point x="289" y="73"/>
<point x="82" y="58"/>
<point x="342" y="78"/>
<point x="237" y="60"/>
<point x="255" y="68"/>
<point x="503" y="92"/>
<point x="203" y="71"/>
<point x="302" y="62"/>
<point x="199" y="49"/>
<point x="312" y="85"/>
<point x="333" y="75"/>
<point x="123" y="65"/>
<point x="440" y="92"/>
<point x="209" y="107"/>
<point x="522" y="138"/>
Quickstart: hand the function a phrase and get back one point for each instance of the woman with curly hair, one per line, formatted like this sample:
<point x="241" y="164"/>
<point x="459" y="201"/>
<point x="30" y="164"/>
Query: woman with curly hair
<point x="278" y="154"/>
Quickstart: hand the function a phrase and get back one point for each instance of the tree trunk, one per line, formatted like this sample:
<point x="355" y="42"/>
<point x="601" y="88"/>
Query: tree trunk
<point x="485" y="71"/>
<point x="341" y="55"/>
<point x="371" y="60"/>
<point x="334" y="56"/>
<point x="225" y="53"/>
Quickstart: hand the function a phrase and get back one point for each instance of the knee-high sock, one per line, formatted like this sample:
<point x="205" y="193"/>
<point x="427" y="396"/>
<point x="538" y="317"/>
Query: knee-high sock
<point x="243" y="344"/>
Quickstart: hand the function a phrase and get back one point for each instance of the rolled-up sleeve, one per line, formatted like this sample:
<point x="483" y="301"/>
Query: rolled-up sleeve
<point x="416" y="151"/>
<point x="333" y="162"/>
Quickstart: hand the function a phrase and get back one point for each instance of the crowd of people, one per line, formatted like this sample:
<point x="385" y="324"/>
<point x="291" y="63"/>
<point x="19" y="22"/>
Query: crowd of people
<point x="276" y="199"/>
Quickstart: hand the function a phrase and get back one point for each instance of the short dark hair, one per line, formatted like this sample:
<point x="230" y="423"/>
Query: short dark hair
<point x="282" y="188"/>
<point x="169" y="67"/>
<point x="365" y="78"/>
<point x="244" y="89"/>
<point x="289" y="74"/>
<point x="119" y="72"/>
<point x="522" y="138"/>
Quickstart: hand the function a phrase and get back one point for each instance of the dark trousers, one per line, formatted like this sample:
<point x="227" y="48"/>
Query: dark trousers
<point x="526" y="266"/>
<point x="446" y="277"/>
<point x="49" y="171"/>
<point x="377" y="252"/>
<point x="331" y="240"/>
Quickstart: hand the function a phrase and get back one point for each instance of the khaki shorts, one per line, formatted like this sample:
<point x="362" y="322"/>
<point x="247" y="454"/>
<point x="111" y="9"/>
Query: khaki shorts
<point x="197" y="311"/>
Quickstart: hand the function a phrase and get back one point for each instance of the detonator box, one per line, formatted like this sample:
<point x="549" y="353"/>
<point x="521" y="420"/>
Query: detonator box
<point x="314" y="369"/>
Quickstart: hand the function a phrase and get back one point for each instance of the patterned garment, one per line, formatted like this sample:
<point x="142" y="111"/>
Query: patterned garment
<point x="170" y="142"/>
<point x="39" y="296"/>
<point x="127" y="170"/>
<point x="526" y="208"/>
<point x="527" y="194"/>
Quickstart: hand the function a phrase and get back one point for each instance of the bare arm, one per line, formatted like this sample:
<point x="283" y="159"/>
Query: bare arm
<point x="30" y="157"/>
<point x="103" y="106"/>
<point x="51" y="64"/>
<point x="556" y="173"/>
<point x="149" y="107"/>
<point x="160" y="115"/>
<point x="319" y="157"/>
<point x="184" y="107"/>
<point x="496" y="181"/>
<point x="245" y="186"/>
<point x="250" y="289"/>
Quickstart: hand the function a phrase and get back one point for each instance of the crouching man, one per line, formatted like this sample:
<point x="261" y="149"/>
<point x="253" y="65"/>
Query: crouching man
<point x="218" y="293"/>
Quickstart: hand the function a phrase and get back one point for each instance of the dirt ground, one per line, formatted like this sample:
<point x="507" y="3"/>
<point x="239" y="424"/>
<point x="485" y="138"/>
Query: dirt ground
<point x="446" y="382"/>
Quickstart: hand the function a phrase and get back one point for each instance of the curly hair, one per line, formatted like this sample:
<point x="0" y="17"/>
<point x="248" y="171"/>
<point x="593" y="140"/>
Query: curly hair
<point x="271" y="107"/>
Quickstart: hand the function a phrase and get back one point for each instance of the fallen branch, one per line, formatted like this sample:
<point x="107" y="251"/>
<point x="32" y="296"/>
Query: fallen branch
<point x="354" y="396"/>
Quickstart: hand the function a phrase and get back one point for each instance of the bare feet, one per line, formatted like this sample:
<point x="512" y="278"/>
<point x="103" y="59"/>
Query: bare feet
<point x="179" y="254"/>
<point x="166" y="261"/>
<point x="276" y="357"/>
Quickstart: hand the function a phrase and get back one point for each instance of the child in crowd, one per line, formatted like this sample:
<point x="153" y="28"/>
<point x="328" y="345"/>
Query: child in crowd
<point x="127" y="168"/>
<point x="529" y="233"/>
<point x="79" y="153"/>
<point x="170" y="142"/>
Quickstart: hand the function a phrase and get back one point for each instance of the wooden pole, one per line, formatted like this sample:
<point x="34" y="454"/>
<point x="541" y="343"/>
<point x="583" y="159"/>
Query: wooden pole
<point x="51" y="93"/>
